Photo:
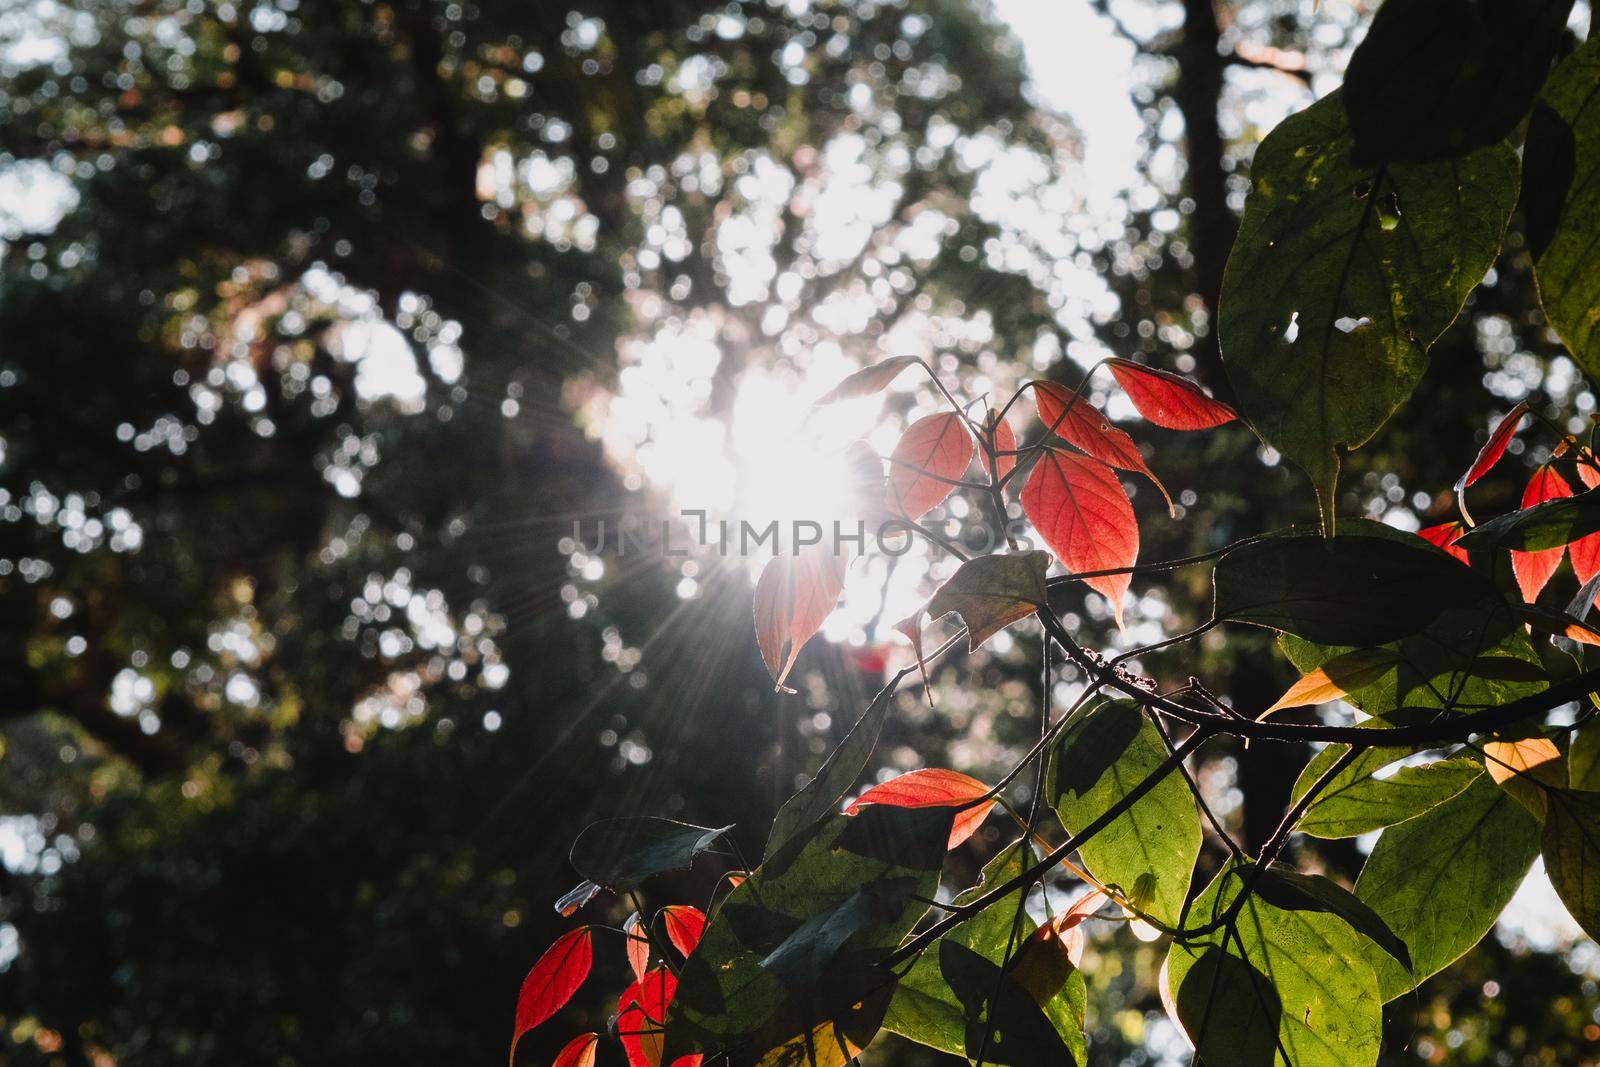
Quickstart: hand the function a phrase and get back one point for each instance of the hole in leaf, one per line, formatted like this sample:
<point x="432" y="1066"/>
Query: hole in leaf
<point x="1292" y="331"/>
<point x="1362" y="190"/>
<point x="1389" y="210"/>
<point x="1346" y="324"/>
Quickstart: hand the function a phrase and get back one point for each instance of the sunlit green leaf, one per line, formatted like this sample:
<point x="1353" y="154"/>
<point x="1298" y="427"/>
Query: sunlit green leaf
<point x="1356" y="803"/>
<point x="1149" y="850"/>
<point x="1341" y="279"/>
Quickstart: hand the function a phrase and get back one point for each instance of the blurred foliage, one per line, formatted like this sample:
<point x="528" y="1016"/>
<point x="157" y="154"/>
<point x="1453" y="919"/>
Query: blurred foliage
<point x="303" y="695"/>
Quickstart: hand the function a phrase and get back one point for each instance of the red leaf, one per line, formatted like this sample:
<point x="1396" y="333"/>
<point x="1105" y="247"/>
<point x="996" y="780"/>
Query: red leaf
<point x="1588" y="474"/>
<point x="684" y="926"/>
<point x="868" y="380"/>
<point x="938" y="445"/>
<point x="1585" y="551"/>
<point x="1533" y="569"/>
<point x="1167" y="400"/>
<point x="1083" y="514"/>
<point x="933" y="787"/>
<point x="1445" y="535"/>
<point x="1490" y="453"/>
<point x="1082" y="425"/>
<point x="637" y="945"/>
<point x="553" y="980"/>
<point x="1001" y="439"/>
<point x="794" y="597"/>
<point x="642" y="1017"/>
<point x="579" y="1052"/>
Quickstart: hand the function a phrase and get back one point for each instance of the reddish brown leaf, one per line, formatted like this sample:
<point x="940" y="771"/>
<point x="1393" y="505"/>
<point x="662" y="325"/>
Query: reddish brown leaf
<point x="937" y="446"/>
<point x="933" y="787"/>
<point x="1082" y="425"/>
<point x="1083" y="514"/>
<point x="1533" y="569"/>
<point x="868" y="380"/>
<point x="1167" y="400"/>
<point x="684" y="924"/>
<point x="579" y="1052"/>
<point x="637" y="945"/>
<point x="1585" y="551"/>
<point x="1490" y="453"/>
<point x="642" y="1017"/>
<point x="553" y="980"/>
<point x="1445" y="535"/>
<point x="794" y="597"/>
<point x="1001" y="439"/>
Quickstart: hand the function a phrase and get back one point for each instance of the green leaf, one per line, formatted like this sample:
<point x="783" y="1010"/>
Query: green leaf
<point x="1366" y="586"/>
<point x="1435" y="79"/>
<point x="621" y="853"/>
<point x="1149" y="850"/>
<point x="800" y="943"/>
<point x="1571" y="848"/>
<point x="1356" y="803"/>
<point x="1288" y="889"/>
<point x="839" y="773"/>
<point x="1583" y="757"/>
<point x="1563" y="202"/>
<point x="926" y="1007"/>
<point x="1441" y="879"/>
<point x="992" y="592"/>
<point x="1276" y="984"/>
<point x="1343" y="277"/>
<point x="1548" y="525"/>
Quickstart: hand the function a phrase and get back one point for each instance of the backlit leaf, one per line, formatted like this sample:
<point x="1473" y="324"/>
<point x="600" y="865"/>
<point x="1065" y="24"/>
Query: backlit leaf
<point x="576" y="897"/>
<point x="1073" y="419"/>
<point x="579" y="1052"/>
<point x="636" y="945"/>
<point x="1435" y="79"/>
<point x="937" y="445"/>
<point x="621" y="853"/>
<point x="1082" y="512"/>
<point x="1563" y="203"/>
<point x="868" y="380"/>
<point x="1149" y="850"/>
<point x="1001" y="439"/>
<point x="1334" y="679"/>
<point x="793" y="598"/>
<point x="992" y="592"/>
<point x="1533" y="569"/>
<point x="684" y="925"/>
<point x="552" y="981"/>
<point x="1556" y="522"/>
<point x="642" y="1017"/>
<point x="1168" y="400"/>
<point x="1445" y="535"/>
<point x="1289" y="889"/>
<point x="1441" y="879"/>
<point x="1489" y="454"/>
<point x="1358" y="802"/>
<point x="1295" y="979"/>
<point x="1508" y="759"/>
<point x="933" y="787"/>
<point x="1559" y="623"/>
<point x="1571" y="849"/>
<point x="1343" y="277"/>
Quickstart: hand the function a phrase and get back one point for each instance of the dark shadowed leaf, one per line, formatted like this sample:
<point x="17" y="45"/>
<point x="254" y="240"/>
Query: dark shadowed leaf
<point x="1583" y="757"/>
<point x="1275" y="982"/>
<point x="621" y="853"/>
<point x="1004" y="1023"/>
<point x="1441" y="879"/>
<point x="1571" y="848"/>
<point x="1543" y="526"/>
<point x="868" y="380"/>
<point x="1563" y="202"/>
<point x="820" y="797"/>
<point x="1149" y="850"/>
<point x="1343" y="277"/>
<point x="1366" y="586"/>
<point x="1082" y="512"/>
<point x="992" y="592"/>
<point x="1435" y="79"/>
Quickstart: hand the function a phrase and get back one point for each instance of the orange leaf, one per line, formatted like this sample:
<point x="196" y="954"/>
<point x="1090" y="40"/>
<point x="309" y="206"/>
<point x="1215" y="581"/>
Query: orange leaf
<point x="1334" y="679"/>
<point x="1069" y="923"/>
<point x="579" y="1052"/>
<point x="1001" y="439"/>
<point x="1167" y="400"/>
<point x="1081" y="424"/>
<point x="642" y="1017"/>
<point x="938" y="445"/>
<point x="1587" y="473"/>
<point x="1445" y="535"/>
<point x="685" y="924"/>
<point x="1508" y="759"/>
<point x="1533" y="569"/>
<point x="636" y="945"/>
<point x="552" y="981"/>
<point x="933" y="787"/>
<point x="1083" y="514"/>
<point x="794" y="597"/>
<point x="868" y="380"/>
